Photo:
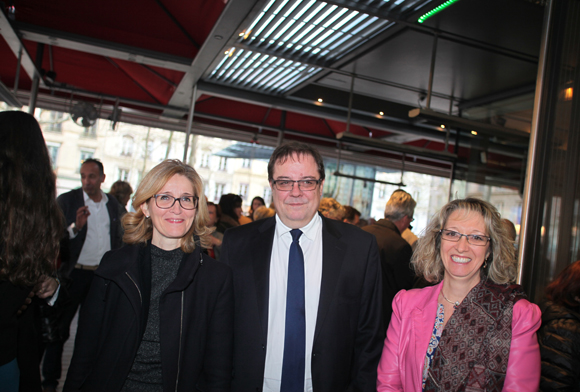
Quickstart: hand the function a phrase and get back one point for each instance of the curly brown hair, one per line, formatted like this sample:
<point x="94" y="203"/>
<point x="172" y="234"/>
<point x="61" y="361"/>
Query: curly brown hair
<point x="31" y="224"/>
<point x="501" y="262"/>
<point x="138" y="229"/>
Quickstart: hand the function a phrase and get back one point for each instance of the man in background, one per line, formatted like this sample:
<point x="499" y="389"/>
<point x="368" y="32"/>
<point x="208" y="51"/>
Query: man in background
<point x="93" y="228"/>
<point x="395" y="252"/>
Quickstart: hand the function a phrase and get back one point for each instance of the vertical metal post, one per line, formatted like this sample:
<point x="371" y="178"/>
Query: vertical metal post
<point x="432" y="70"/>
<point x="350" y="101"/>
<point x="534" y="148"/>
<point x="36" y="79"/>
<point x="189" y="122"/>
<point x="17" y="79"/>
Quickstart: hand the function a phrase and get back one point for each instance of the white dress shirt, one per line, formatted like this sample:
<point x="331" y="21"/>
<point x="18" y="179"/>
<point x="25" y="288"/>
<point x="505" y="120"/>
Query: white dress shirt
<point x="98" y="240"/>
<point x="311" y="244"/>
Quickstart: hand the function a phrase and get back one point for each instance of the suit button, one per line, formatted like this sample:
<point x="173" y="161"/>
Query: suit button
<point x="263" y="347"/>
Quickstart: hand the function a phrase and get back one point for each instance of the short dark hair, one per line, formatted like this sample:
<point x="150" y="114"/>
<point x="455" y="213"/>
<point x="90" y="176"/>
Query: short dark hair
<point x="228" y="203"/>
<point x="287" y="150"/>
<point x="96" y="162"/>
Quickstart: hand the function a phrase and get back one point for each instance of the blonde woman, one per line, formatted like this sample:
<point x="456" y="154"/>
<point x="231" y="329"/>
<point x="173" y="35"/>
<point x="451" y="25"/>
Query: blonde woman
<point x="159" y="313"/>
<point x="474" y="330"/>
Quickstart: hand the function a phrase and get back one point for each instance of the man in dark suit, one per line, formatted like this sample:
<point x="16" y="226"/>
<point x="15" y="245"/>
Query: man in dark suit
<point x="93" y="228"/>
<point x="394" y="250"/>
<point x="307" y="290"/>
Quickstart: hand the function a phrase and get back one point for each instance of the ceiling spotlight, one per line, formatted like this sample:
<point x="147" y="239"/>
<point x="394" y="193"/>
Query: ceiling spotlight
<point x="443" y="126"/>
<point x="241" y="34"/>
<point x="320" y="100"/>
<point x="382" y="113"/>
<point x="474" y="133"/>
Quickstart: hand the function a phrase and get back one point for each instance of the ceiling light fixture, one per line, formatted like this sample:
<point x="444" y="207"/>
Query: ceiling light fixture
<point x="474" y="133"/>
<point x="443" y="126"/>
<point x="320" y="100"/>
<point x="436" y="10"/>
<point x="382" y="113"/>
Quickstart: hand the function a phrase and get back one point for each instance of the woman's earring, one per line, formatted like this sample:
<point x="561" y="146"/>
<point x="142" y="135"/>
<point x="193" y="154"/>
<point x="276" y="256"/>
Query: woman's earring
<point x="485" y="264"/>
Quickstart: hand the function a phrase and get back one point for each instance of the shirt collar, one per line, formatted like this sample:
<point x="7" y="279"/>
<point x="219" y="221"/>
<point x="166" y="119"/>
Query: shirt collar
<point x="309" y="231"/>
<point x="104" y="199"/>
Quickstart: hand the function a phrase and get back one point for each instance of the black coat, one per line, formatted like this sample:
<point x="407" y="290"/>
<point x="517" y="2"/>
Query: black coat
<point x="196" y="328"/>
<point x="395" y="263"/>
<point x="69" y="203"/>
<point x="349" y="333"/>
<point x="559" y="338"/>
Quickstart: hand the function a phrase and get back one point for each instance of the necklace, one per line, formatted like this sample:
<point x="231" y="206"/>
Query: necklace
<point x="455" y="304"/>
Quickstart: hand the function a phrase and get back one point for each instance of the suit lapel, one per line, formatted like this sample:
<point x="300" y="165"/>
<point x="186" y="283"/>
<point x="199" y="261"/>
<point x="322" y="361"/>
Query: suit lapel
<point x="261" y="265"/>
<point x="333" y="252"/>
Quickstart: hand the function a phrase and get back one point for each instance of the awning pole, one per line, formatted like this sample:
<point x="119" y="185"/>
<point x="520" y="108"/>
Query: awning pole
<point x="189" y="122"/>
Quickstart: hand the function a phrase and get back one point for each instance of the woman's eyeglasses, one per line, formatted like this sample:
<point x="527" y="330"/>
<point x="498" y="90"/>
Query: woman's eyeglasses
<point x="166" y="201"/>
<point x="473" y="239"/>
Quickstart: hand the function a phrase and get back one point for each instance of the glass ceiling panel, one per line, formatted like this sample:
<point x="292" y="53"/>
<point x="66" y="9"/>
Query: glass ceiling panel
<point x="282" y="45"/>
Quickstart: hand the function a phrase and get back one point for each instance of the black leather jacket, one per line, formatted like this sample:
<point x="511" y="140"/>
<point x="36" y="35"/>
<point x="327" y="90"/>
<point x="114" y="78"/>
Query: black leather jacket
<point x="559" y="339"/>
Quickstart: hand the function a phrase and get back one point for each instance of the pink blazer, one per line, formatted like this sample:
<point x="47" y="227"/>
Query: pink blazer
<point x="414" y="311"/>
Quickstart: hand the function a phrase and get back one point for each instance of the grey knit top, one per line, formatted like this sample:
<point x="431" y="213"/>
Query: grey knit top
<point x="145" y="374"/>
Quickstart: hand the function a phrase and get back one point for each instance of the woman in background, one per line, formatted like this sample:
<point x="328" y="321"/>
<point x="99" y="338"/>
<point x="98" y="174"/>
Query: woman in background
<point x="257" y="202"/>
<point x="31" y="228"/>
<point x="231" y="208"/>
<point x="559" y="335"/>
<point x="159" y="313"/>
<point x="474" y="330"/>
<point x="122" y="191"/>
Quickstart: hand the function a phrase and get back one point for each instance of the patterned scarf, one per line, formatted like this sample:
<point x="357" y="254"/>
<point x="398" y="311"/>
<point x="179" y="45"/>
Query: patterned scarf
<point x="475" y="345"/>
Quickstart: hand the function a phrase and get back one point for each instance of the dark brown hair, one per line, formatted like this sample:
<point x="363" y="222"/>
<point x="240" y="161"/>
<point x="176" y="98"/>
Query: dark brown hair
<point x="565" y="289"/>
<point x="288" y="150"/>
<point x="31" y="224"/>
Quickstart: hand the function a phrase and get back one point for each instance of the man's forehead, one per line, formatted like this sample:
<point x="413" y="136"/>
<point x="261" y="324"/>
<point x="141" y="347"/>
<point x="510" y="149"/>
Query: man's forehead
<point x="90" y="167"/>
<point x="304" y="160"/>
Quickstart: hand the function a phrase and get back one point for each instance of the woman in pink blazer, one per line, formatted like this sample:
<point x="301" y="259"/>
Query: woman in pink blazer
<point x="473" y="331"/>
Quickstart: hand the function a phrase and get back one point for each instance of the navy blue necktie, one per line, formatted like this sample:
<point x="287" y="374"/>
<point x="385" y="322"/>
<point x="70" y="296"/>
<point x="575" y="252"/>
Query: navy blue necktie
<point x="295" y="332"/>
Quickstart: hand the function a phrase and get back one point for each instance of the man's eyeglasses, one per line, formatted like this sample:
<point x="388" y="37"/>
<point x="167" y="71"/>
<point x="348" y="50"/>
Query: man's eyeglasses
<point x="473" y="239"/>
<point x="166" y="201"/>
<point x="303" y="185"/>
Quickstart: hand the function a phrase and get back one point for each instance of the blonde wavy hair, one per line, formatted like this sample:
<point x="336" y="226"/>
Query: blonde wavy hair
<point x="139" y="229"/>
<point x="501" y="263"/>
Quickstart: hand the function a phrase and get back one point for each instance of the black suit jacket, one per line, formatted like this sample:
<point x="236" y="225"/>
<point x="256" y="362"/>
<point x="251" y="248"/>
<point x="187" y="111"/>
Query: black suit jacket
<point x="349" y="331"/>
<point x="395" y="262"/>
<point x="70" y="249"/>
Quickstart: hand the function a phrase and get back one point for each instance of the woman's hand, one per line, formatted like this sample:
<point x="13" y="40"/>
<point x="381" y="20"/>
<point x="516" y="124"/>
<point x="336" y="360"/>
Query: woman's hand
<point x="45" y="287"/>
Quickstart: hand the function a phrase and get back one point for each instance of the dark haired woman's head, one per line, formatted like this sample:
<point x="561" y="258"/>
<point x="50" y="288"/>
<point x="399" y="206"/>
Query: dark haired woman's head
<point x="257" y="202"/>
<point x="565" y="289"/>
<point x="28" y="210"/>
<point x="231" y="205"/>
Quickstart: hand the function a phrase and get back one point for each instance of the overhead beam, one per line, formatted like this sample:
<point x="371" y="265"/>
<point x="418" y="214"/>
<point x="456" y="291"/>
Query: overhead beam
<point x="103" y="48"/>
<point x="15" y="44"/>
<point x="233" y="15"/>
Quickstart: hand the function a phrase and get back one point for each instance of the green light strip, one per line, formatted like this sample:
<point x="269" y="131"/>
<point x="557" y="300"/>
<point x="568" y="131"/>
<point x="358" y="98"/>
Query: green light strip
<point x="436" y="10"/>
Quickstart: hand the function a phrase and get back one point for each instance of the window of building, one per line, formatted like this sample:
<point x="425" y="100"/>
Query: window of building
<point x="244" y="191"/>
<point x="85" y="154"/>
<point x="124" y="174"/>
<point x="223" y="164"/>
<point x="204" y="162"/>
<point x="382" y="191"/>
<point x="267" y="195"/>
<point x="127" y="146"/>
<point x="55" y="121"/>
<point x="246" y="163"/>
<point x="53" y="153"/>
<point x="219" y="191"/>
<point x="91" y="131"/>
